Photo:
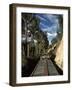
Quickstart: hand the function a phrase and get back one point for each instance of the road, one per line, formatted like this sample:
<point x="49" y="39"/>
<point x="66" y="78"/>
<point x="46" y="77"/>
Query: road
<point x="44" y="67"/>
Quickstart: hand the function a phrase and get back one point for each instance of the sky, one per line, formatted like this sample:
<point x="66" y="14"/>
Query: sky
<point x="49" y="23"/>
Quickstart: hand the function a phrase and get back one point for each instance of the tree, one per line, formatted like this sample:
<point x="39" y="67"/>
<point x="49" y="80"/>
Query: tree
<point x="31" y="22"/>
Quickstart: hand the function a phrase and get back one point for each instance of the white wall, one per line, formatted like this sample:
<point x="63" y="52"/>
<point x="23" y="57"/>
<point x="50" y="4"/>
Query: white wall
<point x="4" y="45"/>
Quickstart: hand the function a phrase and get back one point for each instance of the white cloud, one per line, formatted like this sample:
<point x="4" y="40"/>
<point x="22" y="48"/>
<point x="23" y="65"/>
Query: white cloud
<point x="52" y="29"/>
<point x="50" y="36"/>
<point x="41" y="17"/>
<point x="53" y="34"/>
<point x="52" y="18"/>
<point x="43" y="25"/>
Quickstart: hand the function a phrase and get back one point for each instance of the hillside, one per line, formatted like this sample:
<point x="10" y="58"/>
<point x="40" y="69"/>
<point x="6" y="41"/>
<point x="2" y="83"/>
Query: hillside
<point x="59" y="55"/>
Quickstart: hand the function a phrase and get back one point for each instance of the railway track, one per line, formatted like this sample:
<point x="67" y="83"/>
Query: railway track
<point x="44" y="67"/>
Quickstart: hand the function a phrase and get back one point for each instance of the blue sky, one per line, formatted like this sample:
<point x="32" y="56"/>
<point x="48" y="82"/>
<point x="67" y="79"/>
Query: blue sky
<point x="49" y="23"/>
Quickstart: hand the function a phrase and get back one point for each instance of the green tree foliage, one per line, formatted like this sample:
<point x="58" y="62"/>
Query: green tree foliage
<point x="31" y="22"/>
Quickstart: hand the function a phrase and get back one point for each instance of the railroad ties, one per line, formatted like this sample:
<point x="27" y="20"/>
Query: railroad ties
<point x="44" y="67"/>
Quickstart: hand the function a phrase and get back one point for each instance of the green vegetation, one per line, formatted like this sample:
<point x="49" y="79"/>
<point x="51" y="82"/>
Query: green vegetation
<point x="39" y="42"/>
